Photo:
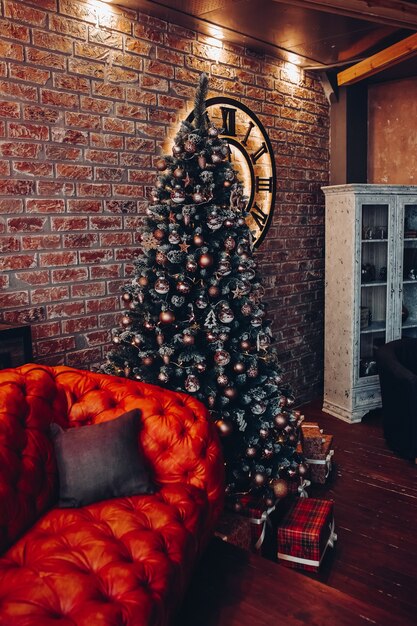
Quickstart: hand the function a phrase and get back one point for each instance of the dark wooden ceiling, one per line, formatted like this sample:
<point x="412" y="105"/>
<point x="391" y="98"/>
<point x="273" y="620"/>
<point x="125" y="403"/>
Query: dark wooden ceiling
<point x="315" y="34"/>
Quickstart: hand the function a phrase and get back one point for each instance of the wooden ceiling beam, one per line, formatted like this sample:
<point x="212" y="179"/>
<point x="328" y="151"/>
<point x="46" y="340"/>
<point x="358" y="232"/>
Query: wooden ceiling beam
<point x="382" y="60"/>
<point x="399" y="13"/>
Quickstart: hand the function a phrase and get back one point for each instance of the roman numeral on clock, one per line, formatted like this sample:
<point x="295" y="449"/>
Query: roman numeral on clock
<point x="258" y="215"/>
<point x="260" y="151"/>
<point x="248" y="132"/>
<point x="229" y="121"/>
<point x="264" y="184"/>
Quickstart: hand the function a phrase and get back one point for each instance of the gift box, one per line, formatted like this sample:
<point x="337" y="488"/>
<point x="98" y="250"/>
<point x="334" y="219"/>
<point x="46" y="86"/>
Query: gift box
<point x="254" y="510"/>
<point x="235" y="529"/>
<point x="321" y="463"/>
<point x="305" y="533"/>
<point x="312" y="438"/>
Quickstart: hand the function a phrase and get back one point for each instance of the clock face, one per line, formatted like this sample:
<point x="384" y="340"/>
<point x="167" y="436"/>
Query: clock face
<point x="251" y="156"/>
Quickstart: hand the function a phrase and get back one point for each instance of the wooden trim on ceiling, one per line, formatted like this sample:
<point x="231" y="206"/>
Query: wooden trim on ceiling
<point x="380" y="61"/>
<point x="399" y="13"/>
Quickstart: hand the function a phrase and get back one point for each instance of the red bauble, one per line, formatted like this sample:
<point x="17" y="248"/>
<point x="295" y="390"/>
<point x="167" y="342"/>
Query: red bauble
<point x="222" y="380"/>
<point x="211" y="336"/>
<point x="281" y="420"/>
<point x="161" y="165"/>
<point x="230" y="392"/>
<point x="228" y="223"/>
<point x="239" y="367"/>
<point x="190" y="146"/>
<point x="143" y="281"/>
<point x="166" y="317"/>
<point x="202" y="161"/>
<point x="206" y="260"/>
<point x="198" y="240"/>
<point x="159" y="234"/>
<point x="259" y="479"/>
<point x="147" y="361"/>
<point x="148" y="325"/>
<point x="127" y="297"/>
<point x="302" y="469"/>
<point x="177" y="150"/>
<point x="251" y="452"/>
<point x="264" y="433"/>
<point x="183" y="287"/>
<point x="191" y="266"/>
<point x="161" y="258"/>
<point x="279" y="487"/>
<point x="126" y="321"/>
<point x="178" y="172"/>
<point x="245" y="344"/>
<point x="213" y="291"/>
<point x="160" y="339"/>
<point x="188" y="340"/>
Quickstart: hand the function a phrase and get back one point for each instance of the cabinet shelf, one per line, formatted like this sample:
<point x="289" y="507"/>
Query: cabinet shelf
<point x="377" y="283"/>
<point x="410" y="324"/>
<point x="377" y="240"/>
<point x="375" y="327"/>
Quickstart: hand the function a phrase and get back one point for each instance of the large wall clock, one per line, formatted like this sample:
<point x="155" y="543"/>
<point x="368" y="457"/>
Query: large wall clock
<point x="251" y="155"/>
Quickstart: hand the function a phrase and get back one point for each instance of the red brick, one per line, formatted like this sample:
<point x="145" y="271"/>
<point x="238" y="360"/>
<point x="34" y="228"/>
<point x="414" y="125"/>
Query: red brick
<point x="51" y="41"/>
<point x="28" y="131"/>
<point x="13" y="299"/>
<point x="121" y="206"/>
<point x="146" y="177"/>
<point x="48" y="329"/>
<point x="117" y="21"/>
<point x="32" y="169"/>
<point x="9" y="244"/>
<point x="73" y="83"/>
<point x="54" y="346"/>
<point x="80" y="240"/>
<point x="139" y="159"/>
<point x="86" y="68"/>
<point x="135" y="94"/>
<point x="14" y="31"/>
<point x="45" y="206"/>
<point x="84" y="358"/>
<point x="128" y="60"/>
<point x="154" y="82"/>
<point x="59" y="99"/>
<point x="22" y="13"/>
<point x="4" y="168"/>
<point x="115" y="239"/>
<point x="129" y="110"/>
<point x="94" y="189"/>
<point x="101" y="156"/>
<point x="138" y="144"/>
<point x="29" y="74"/>
<point x="115" y="92"/>
<point x="43" y="114"/>
<point x="79" y="325"/>
<point x="69" y="275"/>
<point x="152" y="130"/>
<point x="16" y="187"/>
<point x="25" y="224"/>
<point x="96" y="105"/>
<point x="17" y="262"/>
<point x="97" y="338"/>
<point x="41" y="242"/>
<point x="65" y="309"/>
<point x="49" y="294"/>
<point x="105" y="37"/>
<point x="89" y="289"/>
<point x="116" y="125"/>
<point x="105" y="222"/>
<point x="127" y="190"/>
<point x="9" y="109"/>
<point x="101" y="305"/>
<point x="68" y="27"/>
<point x="20" y="92"/>
<point x="69" y="223"/>
<point x="75" y="172"/>
<point x="102" y="140"/>
<point x="82" y="12"/>
<point x="46" y="188"/>
<point x="20" y="149"/>
<point x="63" y="153"/>
<point x="109" y="320"/>
<point x="37" y="277"/>
<point x="145" y="32"/>
<point x="5" y="282"/>
<point x="46" y="58"/>
<point x="105" y="271"/>
<point x="168" y="55"/>
<point x="11" y="206"/>
<point x="57" y="259"/>
<point x="83" y="120"/>
<point x="89" y="51"/>
<point x="126" y="254"/>
<point x="109" y="173"/>
<point x="84" y="206"/>
<point x="95" y="256"/>
<point x="24" y="316"/>
<point x="69" y="136"/>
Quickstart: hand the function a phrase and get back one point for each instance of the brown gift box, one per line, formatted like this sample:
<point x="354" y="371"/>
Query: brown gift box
<point x="312" y="439"/>
<point x="321" y="464"/>
<point x="235" y="529"/>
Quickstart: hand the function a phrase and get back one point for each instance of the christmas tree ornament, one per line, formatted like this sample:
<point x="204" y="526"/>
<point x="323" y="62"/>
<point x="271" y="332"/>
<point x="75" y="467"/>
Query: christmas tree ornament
<point x="229" y="243"/>
<point x="143" y="281"/>
<point x="177" y="150"/>
<point x="246" y="309"/>
<point x="149" y="242"/>
<point x="201" y="302"/>
<point x="161" y="164"/>
<point x="211" y="401"/>
<point x="187" y="339"/>
<point x="230" y="392"/>
<point x="280" y="488"/>
<point x="161" y="286"/>
<point x="160" y="339"/>
<point x="251" y="452"/>
<point x="214" y="291"/>
<point x="213" y="131"/>
<point x="198" y="240"/>
<point x="201" y="367"/>
<point x="223" y="336"/>
<point x="267" y="453"/>
<point x="258" y="408"/>
<point x="239" y="367"/>
<point x="178" y="194"/>
<point x="161" y="258"/>
<point x="116" y="339"/>
<point x="216" y="158"/>
<point x="224" y="267"/>
<point x="256" y="321"/>
<point x="228" y="223"/>
<point x="147" y="361"/>
<point x="292" y="472"/>
<point x="281" y="420"/>
<point x="166" y="317"/>
<point x="190" y="146"/>
<point x="191" y="266"/>
<point x="174" y="237"/>
<point x="264" y="432"/>
<point x="222" y="357"/>
<point x="127" y="371"/>
<point x="210" y="336"/>
<point x="302" y="469"/>
<point x="127" y="297"/>
<point x="226" y="314"/>
<point x="192" y="384"/>
<point x="224" y="427"/>
<point x="126" y="321"/>
<point x="148" y="325"/>
<point x="245" y="344"/>
<point x="178" y="172"/>
<point x="206" y="260"/>
<point x="159" y="234"/>
<point x="252" y="371"/>
<point x="202" y="161"/>
<point x="163" y="376"/>
<point x="183" y="287"/>
<point x="259" y="479"/>
<point x="198" y="195"/>
<point x="222" y="380"/>
<point x="184" y="246"/>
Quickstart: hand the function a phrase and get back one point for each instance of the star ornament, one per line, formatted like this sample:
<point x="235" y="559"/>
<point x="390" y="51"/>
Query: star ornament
<point x="237" y="293"/>
<point x="184" y="246"/>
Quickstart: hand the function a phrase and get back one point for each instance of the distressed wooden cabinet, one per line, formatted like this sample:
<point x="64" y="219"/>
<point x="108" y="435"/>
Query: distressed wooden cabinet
<point x="370" y="288"/>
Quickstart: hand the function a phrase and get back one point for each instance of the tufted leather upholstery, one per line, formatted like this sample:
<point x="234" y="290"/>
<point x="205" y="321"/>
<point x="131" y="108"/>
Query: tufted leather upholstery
<point x="121" y="562"/>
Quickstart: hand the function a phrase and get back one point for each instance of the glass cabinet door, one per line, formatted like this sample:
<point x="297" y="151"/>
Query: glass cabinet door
<point x="409" y="277"/>
<point x="373" y="291"/>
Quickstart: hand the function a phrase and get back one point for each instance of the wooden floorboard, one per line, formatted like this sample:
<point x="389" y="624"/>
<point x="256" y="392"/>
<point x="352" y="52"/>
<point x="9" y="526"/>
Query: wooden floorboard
<point x="371" y="575"/>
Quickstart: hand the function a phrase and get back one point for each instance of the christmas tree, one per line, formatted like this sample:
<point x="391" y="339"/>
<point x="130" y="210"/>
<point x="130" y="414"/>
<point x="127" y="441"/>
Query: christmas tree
<point x="194" y="318"/>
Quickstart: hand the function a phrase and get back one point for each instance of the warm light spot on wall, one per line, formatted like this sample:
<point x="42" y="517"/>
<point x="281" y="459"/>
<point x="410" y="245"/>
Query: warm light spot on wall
<point x="293" y="72"/>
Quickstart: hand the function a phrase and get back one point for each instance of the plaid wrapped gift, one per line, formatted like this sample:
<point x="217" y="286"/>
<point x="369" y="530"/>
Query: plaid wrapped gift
<point x="235" y="529"/>
<point x="254" y="509"/>
<point x="321" y="464"/>
<point x="312" y="438"/>
<point x="305" y="534"/>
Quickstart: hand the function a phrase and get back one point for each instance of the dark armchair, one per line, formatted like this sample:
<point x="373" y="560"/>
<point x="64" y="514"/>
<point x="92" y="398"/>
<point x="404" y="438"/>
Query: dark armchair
<point x="397" y="367"/>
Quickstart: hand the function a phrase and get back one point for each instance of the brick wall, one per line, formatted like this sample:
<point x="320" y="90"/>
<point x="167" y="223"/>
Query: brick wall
<point x="88" y="96"/>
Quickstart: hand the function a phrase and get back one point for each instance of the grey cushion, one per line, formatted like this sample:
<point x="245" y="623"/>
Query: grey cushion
<point x="100" y="461"/>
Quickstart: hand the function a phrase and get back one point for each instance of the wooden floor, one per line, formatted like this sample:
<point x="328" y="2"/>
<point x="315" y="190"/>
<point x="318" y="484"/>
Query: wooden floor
<point x="371" y="575"/>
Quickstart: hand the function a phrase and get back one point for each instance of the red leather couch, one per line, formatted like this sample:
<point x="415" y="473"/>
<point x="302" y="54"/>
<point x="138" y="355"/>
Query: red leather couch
<point x="119" y="562"/>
